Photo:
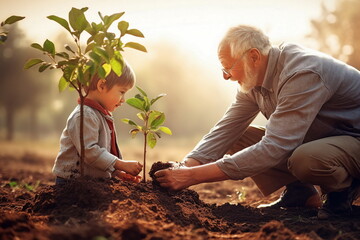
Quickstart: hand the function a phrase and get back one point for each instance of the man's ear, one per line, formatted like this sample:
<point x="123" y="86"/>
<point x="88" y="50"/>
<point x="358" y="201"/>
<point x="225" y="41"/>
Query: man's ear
<point x="255" y="56"/>
<point x="101" y="86"/>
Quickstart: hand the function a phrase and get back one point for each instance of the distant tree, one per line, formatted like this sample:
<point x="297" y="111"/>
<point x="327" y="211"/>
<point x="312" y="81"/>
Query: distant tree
<point x="337" y="31"/>
<point x="18" y="89"/>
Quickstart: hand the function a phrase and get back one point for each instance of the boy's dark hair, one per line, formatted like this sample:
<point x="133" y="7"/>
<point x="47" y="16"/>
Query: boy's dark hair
<point x="127" y="78"/>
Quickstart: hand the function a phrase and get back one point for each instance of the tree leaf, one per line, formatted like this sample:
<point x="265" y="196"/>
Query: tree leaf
<point x="141" y="116"/>
<point x="135" y="32"/>
<point x="49" y="47"/>
<point x="67" y="47"/>
<point x="134" y="132"/>
<point x="136" y="103"/>
<point x="60" y="21"/>
<point x="136" y="46"/>
<point x="101" y="72"/>
<point x="63" y="84"/>
<point x="63" y="55"/>
<point x="158" y="120"/>
<point x="37" y="46"/>
<point x="78" y="20"/>
<point x="102" y="53"/>
<point x="157" y="98"/>
<point x="141" y="91"/>
<point x="116" y="66"/>
<point x="44" y="66"/>
<point x="107" y="68"/>
<point x="165" y="130"/>
<point x="13" y="19"/>
<point x="32" y="62"/>
<point x="112" y="18"/>
<point x="123" y="27"/>
<point x="151" y="139"/>
<point x="129" y="121"/>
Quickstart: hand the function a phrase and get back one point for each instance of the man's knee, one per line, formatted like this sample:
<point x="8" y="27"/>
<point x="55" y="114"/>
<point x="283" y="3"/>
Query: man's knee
<point x="303" y="162"/>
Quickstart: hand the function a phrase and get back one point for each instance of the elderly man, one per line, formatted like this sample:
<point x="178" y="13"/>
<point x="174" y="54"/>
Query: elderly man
<point x="312" y="103"/>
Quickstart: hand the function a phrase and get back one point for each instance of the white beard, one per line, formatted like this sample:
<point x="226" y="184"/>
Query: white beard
<point x="249" y="80"/>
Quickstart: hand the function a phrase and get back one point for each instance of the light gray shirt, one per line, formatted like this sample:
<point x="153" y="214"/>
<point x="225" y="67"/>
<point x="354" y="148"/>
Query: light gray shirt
<point x="99" y="162"/>
<point x="306" y="95"/>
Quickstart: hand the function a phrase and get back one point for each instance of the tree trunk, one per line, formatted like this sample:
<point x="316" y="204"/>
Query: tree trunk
<point x="10" y="116"/>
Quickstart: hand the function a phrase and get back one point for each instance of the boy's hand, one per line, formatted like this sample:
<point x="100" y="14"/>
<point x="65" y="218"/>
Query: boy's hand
<point x="129" y="166"/>
<point x="126" y="177"/>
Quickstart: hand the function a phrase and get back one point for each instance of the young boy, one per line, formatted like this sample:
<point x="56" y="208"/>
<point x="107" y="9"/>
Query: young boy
<point x="102" y="156"/>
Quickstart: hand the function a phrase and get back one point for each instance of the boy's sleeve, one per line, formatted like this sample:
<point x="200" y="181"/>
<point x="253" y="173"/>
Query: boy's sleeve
<point x="95" y="156"/>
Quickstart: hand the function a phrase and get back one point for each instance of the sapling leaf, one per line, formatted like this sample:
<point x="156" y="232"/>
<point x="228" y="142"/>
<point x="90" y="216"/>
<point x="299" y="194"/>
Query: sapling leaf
<point x="107" y="68"/>
<point x="60" y="21"/>
<point x="63" y="84"/>
<point x="136" y="103"/>
<point x="78" y="20"/>
<point x="123" y="26"/>
<point x="157" y="98"/>
<point x="49" y="47"/>
<point x="135" y="33"/>
<point x="116" y="66"/>
<point x="37" y="46"/>
<point x="141" y="116"/>
<point x="133" y="132"/>
<point x="141" y="91"/>
<point x="12" y="19"/>
<point x="165" y="130"/>
<point x="129" y="121"/>
<point x="32" y="62"/>
<point x="136" y="46"/>
<point x="67" y="47"/>
<point x="102" y="53"/>
<point x="151" y="139"/>
<point x="44" y="66"/>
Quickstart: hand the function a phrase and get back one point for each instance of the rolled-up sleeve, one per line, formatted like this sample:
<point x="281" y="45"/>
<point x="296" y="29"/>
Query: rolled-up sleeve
<point x="95" y="155"/>
<point x="299" y="100"/>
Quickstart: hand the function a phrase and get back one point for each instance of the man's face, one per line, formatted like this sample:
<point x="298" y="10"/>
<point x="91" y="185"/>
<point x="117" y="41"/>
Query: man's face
<point x="238" y="70"/>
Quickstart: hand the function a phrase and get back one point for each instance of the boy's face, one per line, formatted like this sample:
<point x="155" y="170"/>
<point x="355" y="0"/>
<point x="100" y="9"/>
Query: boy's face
<point x="114" y="97"/>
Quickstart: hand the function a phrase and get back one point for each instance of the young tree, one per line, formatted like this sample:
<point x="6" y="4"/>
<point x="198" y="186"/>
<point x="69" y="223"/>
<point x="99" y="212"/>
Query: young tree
<point x="152" y="121"/>
<point x="100" y="55"/>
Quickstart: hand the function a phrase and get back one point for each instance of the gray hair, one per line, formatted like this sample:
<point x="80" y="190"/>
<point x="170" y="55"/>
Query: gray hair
<point x="242" y="38"/>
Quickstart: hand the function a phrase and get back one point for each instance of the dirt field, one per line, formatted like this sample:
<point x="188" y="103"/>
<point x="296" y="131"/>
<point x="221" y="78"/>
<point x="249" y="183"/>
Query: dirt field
<point x="31" y="207"/>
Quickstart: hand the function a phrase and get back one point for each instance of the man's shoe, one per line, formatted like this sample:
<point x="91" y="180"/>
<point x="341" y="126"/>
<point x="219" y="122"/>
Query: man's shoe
<point x="339" y="204"/>
<point x="296" y="194"/>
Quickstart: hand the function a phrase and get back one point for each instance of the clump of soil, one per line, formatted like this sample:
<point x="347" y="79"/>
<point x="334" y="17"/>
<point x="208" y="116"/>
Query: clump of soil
<point x="159" y="166"/>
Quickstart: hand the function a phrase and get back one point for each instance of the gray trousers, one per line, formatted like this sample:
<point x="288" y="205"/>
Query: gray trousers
<point x="332" y="163"/>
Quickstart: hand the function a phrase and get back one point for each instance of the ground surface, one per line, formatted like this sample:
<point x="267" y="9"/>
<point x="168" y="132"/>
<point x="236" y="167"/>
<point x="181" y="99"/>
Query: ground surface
<point x="31" y="207"/>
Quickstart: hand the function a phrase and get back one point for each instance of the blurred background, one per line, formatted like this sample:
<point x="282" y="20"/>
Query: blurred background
<point x="181" y="37"/>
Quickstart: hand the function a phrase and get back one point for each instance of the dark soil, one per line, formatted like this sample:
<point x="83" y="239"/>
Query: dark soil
<point x="31" y="207"/>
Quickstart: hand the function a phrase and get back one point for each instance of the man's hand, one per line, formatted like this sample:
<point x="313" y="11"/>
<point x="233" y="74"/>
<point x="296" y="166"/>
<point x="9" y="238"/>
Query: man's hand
<point x="175" y="179"/>
<point x="183" y="177"/>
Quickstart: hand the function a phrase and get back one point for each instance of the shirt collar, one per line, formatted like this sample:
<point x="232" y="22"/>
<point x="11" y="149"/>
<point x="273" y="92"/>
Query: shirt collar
<point x="270" y="71"/>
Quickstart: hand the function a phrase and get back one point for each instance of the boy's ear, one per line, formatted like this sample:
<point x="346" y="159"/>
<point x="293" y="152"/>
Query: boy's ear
<point x="101" y="85"/>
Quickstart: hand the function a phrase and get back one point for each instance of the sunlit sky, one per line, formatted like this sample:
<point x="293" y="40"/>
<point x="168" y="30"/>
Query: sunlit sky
<point x="193" y="25"/>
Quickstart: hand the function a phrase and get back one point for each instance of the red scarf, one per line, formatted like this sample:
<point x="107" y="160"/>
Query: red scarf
<point x="91" y="103"/>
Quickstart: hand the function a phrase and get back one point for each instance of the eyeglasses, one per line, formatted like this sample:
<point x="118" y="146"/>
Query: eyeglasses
<point x="226" y="72"/>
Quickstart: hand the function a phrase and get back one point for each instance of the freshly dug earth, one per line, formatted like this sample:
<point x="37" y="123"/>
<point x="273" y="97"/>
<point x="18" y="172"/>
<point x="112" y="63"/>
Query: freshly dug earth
<point x="31" y="207"/>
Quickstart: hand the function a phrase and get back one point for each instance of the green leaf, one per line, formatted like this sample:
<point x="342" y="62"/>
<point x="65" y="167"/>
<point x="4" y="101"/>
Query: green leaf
<point x="78" y="20"/>
<point x="60" y="21"/>
<point x="136" y="46"/>
<point x="63" y="55"/>
<point x="129" y="121"/>
<point x="13" y="19"/>
<point x="123" y="27"/>
<point x="112" y="18"/>
<point x="133" y="132"/>
<point x="157" y="98"/>
<point x="63" y="84"/>
<point x="44" y="66"/>
<point x="136" y="103"/>
<point x="141" y="116"/>
<point x="165" y="130"/>
<point x="158" y="120"/>
<point x="67" y="47"/>
<point x="37" y="46"/>
<point x="107" y="68"/>
<point x="151" y="139"/>
<point x="95" y="57"/>
<point x="101" y="72"/>
<point x="135" y="32"/>
<point x="49" y="47"/>
<point x="32" y="62"/>
<point x="90" y="47"/>
<point x="116" y="66"/>
<point x="102" y="53"/>
<point x="141" y="91"/>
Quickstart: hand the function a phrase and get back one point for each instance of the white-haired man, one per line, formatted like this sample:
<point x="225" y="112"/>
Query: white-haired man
<point x="312" y="103"/>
